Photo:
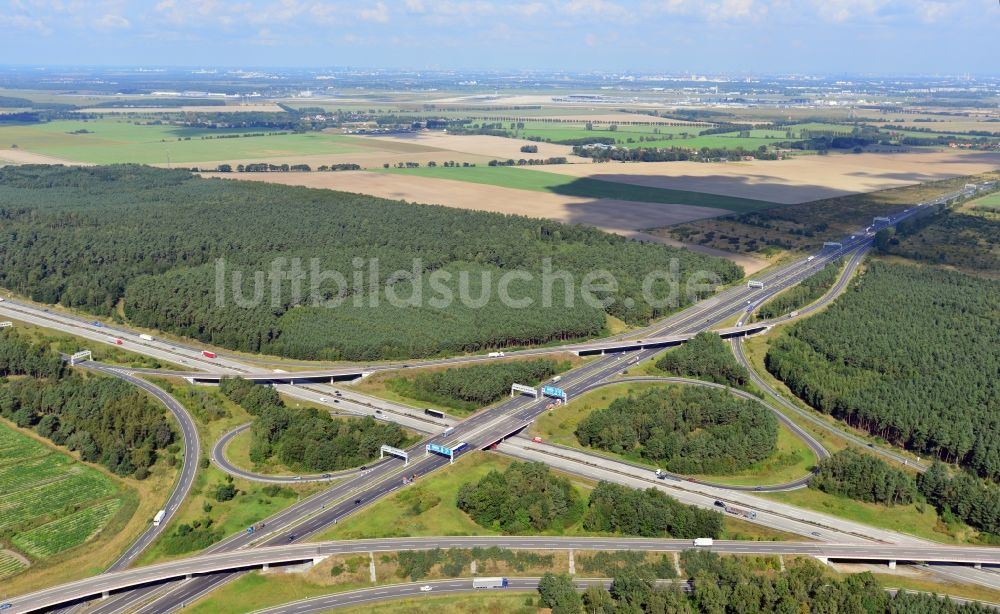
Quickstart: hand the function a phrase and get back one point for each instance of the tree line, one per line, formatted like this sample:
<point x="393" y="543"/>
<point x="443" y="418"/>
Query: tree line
<point x="723" y="584"/>
<point x="92" y="238"/>
<point x="528" y="497"/>
<point x="909" y="354"/>
<point x="706" y="356"/>
<point x="469" y="388"/>
<point x="806" y="292"/>
<point x="863" y="477"/>
<point x="106" y="420"/>
<point x="687" y="429"/>
<point x="308" y="438"/>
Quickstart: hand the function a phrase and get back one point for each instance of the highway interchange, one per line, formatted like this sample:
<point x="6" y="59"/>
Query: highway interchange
<point x="355" y="490"/>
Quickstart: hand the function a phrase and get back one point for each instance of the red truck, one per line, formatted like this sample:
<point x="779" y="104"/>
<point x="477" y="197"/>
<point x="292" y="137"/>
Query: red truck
<point x="208" y="354"/>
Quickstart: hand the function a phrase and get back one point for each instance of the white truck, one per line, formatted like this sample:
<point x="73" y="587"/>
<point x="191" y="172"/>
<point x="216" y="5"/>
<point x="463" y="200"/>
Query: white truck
<point x="495" y="355"/>
<point x="159" y="517"/>
<point x="489" y="583"/>
<point x="146" y="337"/>
<point x="703" y="541"/>
<point x="556" y="379"/>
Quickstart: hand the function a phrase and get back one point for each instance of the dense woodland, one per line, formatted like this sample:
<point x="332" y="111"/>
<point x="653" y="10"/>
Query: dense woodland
<point x="107" y="420"/>
<point x="525" y="497"/>
<point x="806" y="292"/>
<point x="968" y="240"/>
<point x="706" y="356"/>
<point x="528" y="497"/>
<point x="967" y="497"/>
<point x="723" y="584"/>
<point x="910" y="354"/>
<point x="469" y="388"/>
<point x="687" y="429"/>
<point x="863" y="477"/>
<point x="308" y="438"/>
<point x="647" y="513"/>
<point x="92" y="237"/>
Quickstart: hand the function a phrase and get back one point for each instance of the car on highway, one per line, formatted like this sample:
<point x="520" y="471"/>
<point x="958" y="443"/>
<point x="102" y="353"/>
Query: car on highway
<point x="357" y="501"/>
<point x="536" y="439"/>
<point x="298" y="477"/>
<point x="323" y="399"/>
<point x="97" y="324"/>
<point x="327" y="476"/>
<point x="291" y="537"/>
<point x="816" y="534"/>
<point x="426" y="588"/>
<point x="336" y="400"/>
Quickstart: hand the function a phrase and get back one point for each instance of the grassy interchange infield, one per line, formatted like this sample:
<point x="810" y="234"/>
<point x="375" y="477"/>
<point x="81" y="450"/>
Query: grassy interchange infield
<point x="542" y="181"/>
<point x="51" y="503"/>
<point x="792" y="458"/>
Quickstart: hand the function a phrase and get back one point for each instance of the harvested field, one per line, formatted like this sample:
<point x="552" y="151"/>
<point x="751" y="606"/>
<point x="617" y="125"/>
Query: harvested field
<point x="800" y="179"/>
<point x="235" y="108"/>
<point x="493" y="147"/>
<point x="608" y="214"/>
<point x="19" y="156"/>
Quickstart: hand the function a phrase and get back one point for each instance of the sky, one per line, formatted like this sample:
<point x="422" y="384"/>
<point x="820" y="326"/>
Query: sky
<point x="887" y="37"/>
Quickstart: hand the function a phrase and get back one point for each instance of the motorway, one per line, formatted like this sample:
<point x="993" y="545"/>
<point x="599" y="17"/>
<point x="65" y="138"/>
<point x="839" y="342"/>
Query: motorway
<point x="457" y="586"/>
<point x="189" y="464"/>
<point x="314" y="552"/>
<point x="318" y="512"/>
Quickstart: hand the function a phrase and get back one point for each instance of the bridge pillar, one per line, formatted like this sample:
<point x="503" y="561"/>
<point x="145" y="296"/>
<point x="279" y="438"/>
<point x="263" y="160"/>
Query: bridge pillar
<point x="105" y="594"/>
<point x="266" y="566"/>
<point x="187" y="576"/>
<point x="892" y="564"/>
<point x="823" y="559"/>
<point x="978" y="565"/>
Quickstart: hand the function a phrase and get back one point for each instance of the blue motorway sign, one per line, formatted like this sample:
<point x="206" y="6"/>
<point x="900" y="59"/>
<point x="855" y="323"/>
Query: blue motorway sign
<point x="433" y="447"/>
<point x="552" y="391"/>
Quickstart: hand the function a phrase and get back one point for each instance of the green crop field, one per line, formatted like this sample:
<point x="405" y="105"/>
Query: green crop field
<point x="991" y="202"/>
<point x="667" y="136"/>
<point x="541" y="181"/>
<point x="51" y="502"/>
<point x="10" y="564"/>
<point x="113" y="141"/>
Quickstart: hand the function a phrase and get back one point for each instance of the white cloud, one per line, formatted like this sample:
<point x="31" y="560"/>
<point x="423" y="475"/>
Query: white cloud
<point x="593" y="8"/>
<point x="378" y="13"/>
<point x="24" y="22"/>
<point x="111" y="21"/>
<point x="735" y="9"/>
<point x="844" y="10"/>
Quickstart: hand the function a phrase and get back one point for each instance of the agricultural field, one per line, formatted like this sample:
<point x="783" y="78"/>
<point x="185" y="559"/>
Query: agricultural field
<point x="51" y="503"/>
<point x="116" y="141"/>
<point x="542" y="181"/>
<point x="798" y="180"/>
<point x="806" y="226"/>
<point x="988" y="203"/>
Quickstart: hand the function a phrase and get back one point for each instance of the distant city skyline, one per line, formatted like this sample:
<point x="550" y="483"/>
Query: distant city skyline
<point x="861" y="37"/>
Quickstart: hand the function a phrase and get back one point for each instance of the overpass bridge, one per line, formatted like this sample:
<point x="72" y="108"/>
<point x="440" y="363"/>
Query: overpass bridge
<point x="351" y="373"/>
<point x="264" y="557"/>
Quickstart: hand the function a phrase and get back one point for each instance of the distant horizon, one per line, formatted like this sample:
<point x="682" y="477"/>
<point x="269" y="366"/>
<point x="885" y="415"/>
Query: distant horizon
<point x="768" y="37"/>
<point x="622" y="72"/>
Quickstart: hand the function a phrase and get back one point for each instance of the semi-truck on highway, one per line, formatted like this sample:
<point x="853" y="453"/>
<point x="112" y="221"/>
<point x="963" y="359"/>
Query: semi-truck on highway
<point x="146" y="337"/>
<point x="737" y="511"/>
<point x="208" y="354"/>
<point x="434" y="413"/>
<point x="159" y="517"/>
<point x="489" y="583"/>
